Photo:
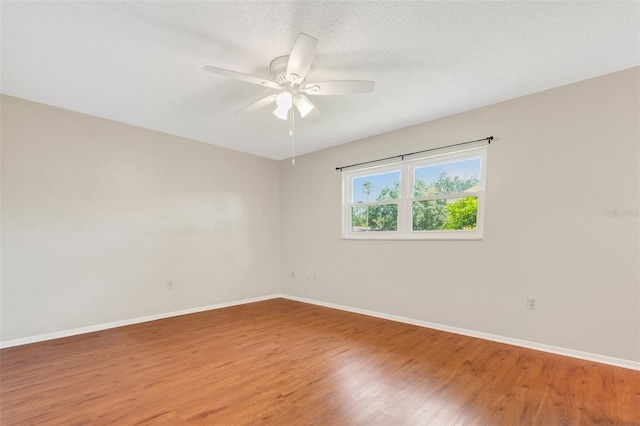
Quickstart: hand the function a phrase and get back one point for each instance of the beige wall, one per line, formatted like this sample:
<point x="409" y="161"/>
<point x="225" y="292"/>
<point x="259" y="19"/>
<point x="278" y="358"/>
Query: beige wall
<point x="560" y="160"/>
<point x="97" y="216"/>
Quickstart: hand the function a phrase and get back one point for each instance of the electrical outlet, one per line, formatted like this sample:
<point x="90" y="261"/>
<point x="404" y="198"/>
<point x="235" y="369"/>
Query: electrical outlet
<point x="293" y="274"/>
<point x="532" y="303"/>
<point x="169" y="285"/>
<point x="315" y="277"/>
<point x="306" y="277"/>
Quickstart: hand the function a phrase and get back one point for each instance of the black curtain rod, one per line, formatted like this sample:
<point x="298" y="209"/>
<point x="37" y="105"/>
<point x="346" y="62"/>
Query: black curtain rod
<point x="401" y="156"/>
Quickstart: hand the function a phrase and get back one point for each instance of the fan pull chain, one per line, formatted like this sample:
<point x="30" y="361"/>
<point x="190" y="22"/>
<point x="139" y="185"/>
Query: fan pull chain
<point x="292" y="133"/>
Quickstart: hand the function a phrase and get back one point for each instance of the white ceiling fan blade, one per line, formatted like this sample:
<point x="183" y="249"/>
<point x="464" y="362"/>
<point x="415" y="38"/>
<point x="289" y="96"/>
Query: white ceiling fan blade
<point x="241" y="76"/>
<point x="301" y="57"/>
<point x="259" y="104"/>
<point x="339" y="87"/>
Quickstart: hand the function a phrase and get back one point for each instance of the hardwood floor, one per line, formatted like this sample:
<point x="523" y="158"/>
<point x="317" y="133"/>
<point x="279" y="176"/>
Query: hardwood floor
<point x="289" y="363"/>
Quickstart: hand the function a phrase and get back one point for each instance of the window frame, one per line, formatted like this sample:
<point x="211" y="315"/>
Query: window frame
<point x="406" y="198"/>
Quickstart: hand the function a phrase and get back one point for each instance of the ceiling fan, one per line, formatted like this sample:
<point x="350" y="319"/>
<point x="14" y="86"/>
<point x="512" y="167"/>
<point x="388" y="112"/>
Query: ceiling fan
<point x="289" y="78"/>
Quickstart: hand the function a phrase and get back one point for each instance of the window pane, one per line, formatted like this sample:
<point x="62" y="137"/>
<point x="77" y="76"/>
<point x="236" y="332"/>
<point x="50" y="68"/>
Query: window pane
<point x="447" y="178"/>
<point x="383" y="217"/>
<point x="447" y="214"/>
<point x="384" y="186"/>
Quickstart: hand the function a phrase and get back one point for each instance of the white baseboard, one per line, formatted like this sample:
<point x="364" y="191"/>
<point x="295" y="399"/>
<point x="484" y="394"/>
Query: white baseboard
<point x="588" y="356"/>
<point x="618" y="362"/>
<point x="100" y="327"/>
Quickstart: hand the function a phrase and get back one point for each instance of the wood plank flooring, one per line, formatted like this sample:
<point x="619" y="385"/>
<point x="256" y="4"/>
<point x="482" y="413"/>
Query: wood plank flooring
<point x="288" y="363"/>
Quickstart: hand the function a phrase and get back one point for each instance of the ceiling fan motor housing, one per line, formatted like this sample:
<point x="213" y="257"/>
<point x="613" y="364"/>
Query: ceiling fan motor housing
<point x="278" y="69"/>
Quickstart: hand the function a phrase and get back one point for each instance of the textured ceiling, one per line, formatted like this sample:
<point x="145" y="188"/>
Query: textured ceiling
<point x="141" y="62"/>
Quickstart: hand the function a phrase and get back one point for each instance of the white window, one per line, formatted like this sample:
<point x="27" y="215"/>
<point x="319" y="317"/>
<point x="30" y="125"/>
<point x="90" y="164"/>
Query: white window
<point x="435" y="197"/>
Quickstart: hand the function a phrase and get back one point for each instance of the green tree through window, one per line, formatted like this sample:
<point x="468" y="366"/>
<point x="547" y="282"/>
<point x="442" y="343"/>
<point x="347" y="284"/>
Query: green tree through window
<point x="436" y="197"/>
<point x="430" y="215"/>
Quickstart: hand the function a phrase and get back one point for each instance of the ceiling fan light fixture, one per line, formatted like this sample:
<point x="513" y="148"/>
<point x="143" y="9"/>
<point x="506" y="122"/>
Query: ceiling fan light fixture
<point x="304" y="106"/>
<point x="284" y="100"/>
<point x="281" y="113"/>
